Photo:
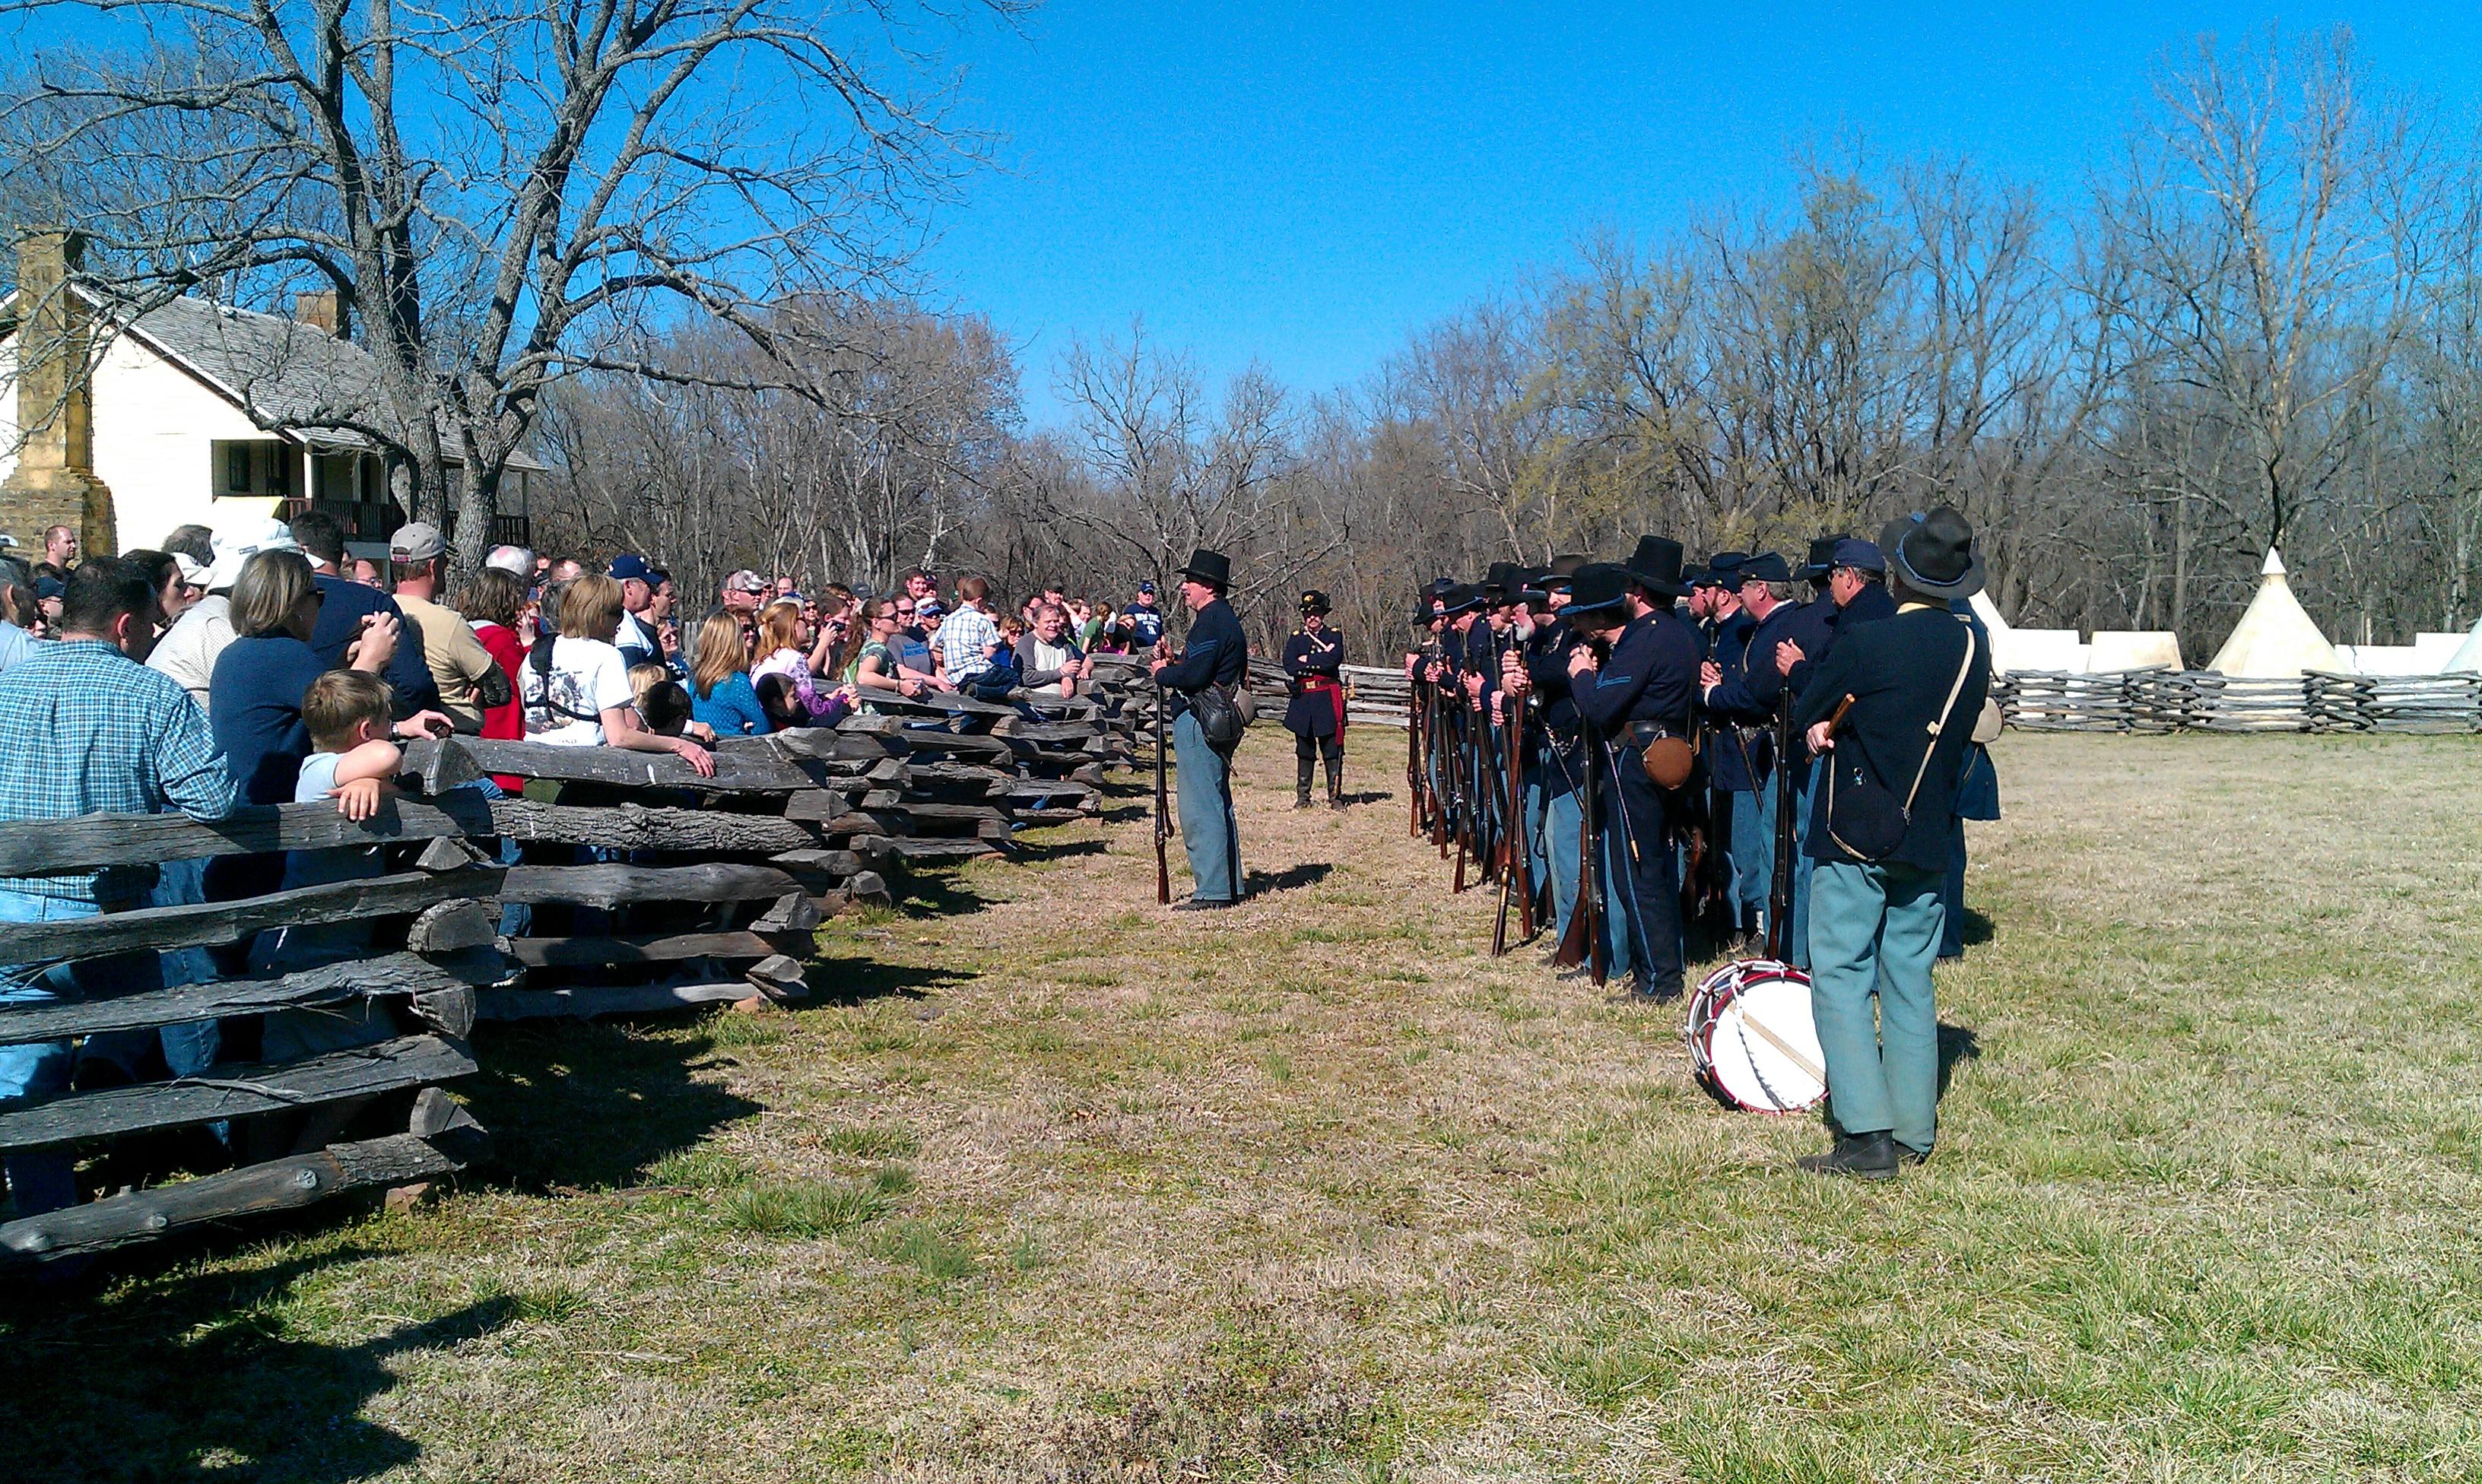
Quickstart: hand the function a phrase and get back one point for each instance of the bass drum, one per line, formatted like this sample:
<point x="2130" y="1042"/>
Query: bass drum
<point x="1751" y="1039"/>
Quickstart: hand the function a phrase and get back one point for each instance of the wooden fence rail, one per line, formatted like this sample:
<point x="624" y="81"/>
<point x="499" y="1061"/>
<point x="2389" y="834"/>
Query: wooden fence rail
<point x="2164" y="700"/>
<point x="649" y="887"/>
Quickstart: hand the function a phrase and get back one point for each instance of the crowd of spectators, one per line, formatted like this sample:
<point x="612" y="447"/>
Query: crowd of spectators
<point x="264" y="663"/>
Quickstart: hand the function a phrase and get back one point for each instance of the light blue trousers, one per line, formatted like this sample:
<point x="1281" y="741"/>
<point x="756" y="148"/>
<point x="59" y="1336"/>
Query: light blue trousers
<point x="1797" y="936"/>
<point x="1207" y="830"/>
<point x="1754" y="855"/>
<point x="1875" y="929"/>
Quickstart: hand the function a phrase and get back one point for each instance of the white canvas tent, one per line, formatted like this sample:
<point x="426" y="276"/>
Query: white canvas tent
<point x="2469" y="655"/>
<point x="2050" y="650"/>
<point x="2134" y="649"/>
<point x="2276" y="638"/>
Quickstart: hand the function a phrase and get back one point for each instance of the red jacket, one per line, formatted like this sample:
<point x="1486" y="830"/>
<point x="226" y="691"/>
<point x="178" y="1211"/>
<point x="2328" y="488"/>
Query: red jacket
<point x="505" y="724"/>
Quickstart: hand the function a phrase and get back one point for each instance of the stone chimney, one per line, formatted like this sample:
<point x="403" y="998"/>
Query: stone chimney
<point x="54" y="482"/>
<point x="319" y="310"/>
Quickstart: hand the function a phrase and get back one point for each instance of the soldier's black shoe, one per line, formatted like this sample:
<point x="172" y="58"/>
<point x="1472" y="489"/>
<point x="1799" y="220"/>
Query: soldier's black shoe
<point x="1907" y="1153"/>
<point x="1861" y="1156"/>
<point x="1195" y="904"/>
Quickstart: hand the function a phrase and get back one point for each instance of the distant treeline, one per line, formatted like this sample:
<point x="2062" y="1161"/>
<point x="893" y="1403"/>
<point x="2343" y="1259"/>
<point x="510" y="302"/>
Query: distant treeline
<point x="2258" y="324"/>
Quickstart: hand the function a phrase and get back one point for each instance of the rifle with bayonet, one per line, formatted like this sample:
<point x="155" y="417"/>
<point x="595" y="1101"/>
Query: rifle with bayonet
<point x="1163" y="810"/>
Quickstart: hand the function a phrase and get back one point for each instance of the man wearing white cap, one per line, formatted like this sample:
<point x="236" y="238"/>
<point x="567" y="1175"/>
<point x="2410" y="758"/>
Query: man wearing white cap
<point x="470" y="681"/>
<point x="187" y="652"/>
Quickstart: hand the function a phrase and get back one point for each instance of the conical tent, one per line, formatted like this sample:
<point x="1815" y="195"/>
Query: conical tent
<point x="2469" y="655"/>
<point x="2275" y="639"/>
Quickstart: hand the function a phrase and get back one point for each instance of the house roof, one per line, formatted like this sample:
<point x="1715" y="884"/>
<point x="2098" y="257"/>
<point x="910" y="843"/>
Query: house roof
<point x="292" y="377"/>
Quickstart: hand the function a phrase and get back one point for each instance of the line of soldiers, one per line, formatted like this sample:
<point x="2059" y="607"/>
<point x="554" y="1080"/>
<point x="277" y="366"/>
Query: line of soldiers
<point x="1600" y="741"/>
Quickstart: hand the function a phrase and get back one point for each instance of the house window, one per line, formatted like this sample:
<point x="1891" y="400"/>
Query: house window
<point x="251" y="466"/>
<point x="237" y="468"/>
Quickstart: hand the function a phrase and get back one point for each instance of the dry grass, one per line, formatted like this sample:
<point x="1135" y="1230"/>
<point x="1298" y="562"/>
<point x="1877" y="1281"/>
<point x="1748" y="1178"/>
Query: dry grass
<point x="1070" y="1188"/>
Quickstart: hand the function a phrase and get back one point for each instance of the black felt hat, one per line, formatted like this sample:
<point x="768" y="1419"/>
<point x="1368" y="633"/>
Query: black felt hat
<point x="1315" y="602"/>
<point x="1211" y="567"/>
<point x="1566" y="568"/>
<point x="1764" y="567"/>
<point x="1934" y="554"/>
<point x="1460" y="599"/>
<point x="1598" y="586"/>
<point x="1722" y="570"/>
<point x="1655" y="566"/>
<point x="1822" y="558"/>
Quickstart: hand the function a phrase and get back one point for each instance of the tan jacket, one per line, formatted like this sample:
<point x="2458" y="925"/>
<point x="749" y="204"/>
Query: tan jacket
<point x="458" y="660"/>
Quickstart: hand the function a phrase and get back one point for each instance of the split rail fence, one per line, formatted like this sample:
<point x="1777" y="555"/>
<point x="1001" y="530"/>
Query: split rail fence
<point x="2166" y="700"/>
<point x="650" y="888"/>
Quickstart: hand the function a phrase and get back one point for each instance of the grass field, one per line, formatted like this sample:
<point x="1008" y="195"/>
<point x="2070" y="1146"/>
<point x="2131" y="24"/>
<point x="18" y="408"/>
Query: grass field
<point x="1060" y="1186"/>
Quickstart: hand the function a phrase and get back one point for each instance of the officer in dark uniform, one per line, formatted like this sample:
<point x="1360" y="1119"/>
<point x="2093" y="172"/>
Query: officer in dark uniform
<point x="1647" y="689"/>
<point x="1215" y="653"/>
<point x="1314" y="658"/>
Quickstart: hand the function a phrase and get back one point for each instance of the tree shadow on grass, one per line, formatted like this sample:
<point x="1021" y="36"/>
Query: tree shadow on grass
<point x="1307" y="873"/>
<point x="1126" y="814"/>
<point x="592" y="1105"/>
<point x="840" y="984"/>
<point x="192" y="1375"/>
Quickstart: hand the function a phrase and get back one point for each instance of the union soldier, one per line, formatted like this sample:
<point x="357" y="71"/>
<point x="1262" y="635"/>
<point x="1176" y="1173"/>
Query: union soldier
<point x="1217" y="653"/>
<point x="1882" y="834"/>
<point x="1314" y="658"/>
<point x="1554" y="791"/>
<point x="1743" y="693"/>
<point x="1644" y="692"/>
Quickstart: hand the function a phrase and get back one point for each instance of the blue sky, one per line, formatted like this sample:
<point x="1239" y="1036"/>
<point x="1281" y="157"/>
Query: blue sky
<point x="1303" y="184"/>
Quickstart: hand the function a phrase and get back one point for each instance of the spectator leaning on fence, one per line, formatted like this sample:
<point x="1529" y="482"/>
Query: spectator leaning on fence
<point x="577" y="689"/>
<point x="787" y="648"/>
<point x="139" y="746"/>
<point x="1049" y="657"/>
<point x="721" y="693"/>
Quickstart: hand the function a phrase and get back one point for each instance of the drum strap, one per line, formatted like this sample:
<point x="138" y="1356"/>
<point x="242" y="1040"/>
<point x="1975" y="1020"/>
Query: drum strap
<point x="1808" y="1066"/>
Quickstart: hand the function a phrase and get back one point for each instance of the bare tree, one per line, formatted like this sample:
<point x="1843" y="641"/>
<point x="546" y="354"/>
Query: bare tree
<point x="501" y="191"/>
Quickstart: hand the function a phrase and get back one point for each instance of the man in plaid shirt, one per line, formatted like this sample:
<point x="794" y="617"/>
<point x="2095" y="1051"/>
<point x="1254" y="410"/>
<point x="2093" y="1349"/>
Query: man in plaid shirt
<point x="87" y="728"/>
<point x="966" y="634"/>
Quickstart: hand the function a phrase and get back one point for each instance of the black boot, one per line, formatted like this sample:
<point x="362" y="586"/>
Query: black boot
<point x="1302" y="769"/>
<point x="1335" y="782"/>
<point x="1863" y="1155"/>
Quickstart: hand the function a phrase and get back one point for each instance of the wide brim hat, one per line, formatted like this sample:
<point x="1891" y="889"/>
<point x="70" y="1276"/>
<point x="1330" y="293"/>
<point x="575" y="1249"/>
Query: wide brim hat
<point x="1655" y="566"/>
<point x="1764" y="567"/>
<point x="1211" y="567"/>
<point x="1934" y="554"/>
<point x="1316" y="602"/>
<point x="1597" y="587"/>
<point x="1822" y="558"/>
<point x="236" y="544"/>
<point x="1460" y="599"/>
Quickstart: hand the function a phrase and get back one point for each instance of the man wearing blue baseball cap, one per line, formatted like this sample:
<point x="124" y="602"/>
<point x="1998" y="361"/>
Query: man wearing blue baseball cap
<point x="636" y="639"/>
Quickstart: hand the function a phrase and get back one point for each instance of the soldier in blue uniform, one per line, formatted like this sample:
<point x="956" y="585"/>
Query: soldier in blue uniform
<point x="1743" y="693"/>
<point x="1215" y="653"/>
<point x="1314" y="659"/>
<point x="1539" y="672"/>
<point x="1645" y="690"/>
<point x="1834" y="565"/>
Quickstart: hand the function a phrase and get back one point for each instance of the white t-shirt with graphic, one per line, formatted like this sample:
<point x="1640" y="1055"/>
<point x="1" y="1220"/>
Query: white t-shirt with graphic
<point x="566" y="708"/>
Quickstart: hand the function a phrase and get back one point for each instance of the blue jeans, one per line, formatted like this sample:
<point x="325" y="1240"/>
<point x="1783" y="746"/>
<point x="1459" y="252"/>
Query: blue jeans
<point x="1206" y="828"/>
<point x="187" y="1049"/>
<point x="1564" y="818"/>
<point x="1875" y="930"/>
<point x="44" y="1179"/>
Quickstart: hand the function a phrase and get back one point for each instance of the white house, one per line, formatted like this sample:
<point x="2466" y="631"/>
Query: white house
<point x="201" y="413"/>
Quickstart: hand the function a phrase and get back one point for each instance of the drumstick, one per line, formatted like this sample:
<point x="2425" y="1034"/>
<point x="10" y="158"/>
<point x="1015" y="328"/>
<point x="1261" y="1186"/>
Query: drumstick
<point x="1815" y="1071"/>
<point x="1838" y="719"/>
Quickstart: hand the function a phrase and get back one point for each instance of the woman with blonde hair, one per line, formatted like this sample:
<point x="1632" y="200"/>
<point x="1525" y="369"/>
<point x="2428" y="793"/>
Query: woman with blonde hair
<point x="720" y="694"/>
<point x="786" y="647"/>
<point x="577" y="686"/>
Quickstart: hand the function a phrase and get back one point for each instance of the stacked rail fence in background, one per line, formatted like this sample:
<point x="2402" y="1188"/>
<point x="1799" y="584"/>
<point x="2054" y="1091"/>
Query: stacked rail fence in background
<point x="645" y="888"/>
<point x="2166" y="700"/>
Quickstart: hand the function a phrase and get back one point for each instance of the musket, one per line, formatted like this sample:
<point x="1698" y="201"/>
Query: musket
<point x="1163" y="811"/>
<point x="1517" y="866"/>
<point x="1787" y="830"/>
<point x="1413" y="760"/>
